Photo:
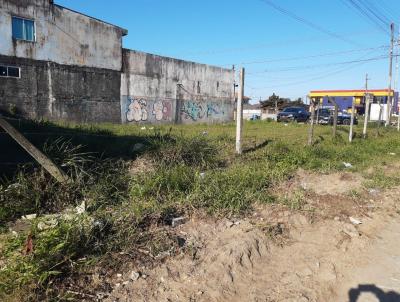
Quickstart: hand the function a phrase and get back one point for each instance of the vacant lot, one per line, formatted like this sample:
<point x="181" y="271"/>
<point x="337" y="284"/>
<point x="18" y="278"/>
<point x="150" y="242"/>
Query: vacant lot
<point x="131" y="183"/>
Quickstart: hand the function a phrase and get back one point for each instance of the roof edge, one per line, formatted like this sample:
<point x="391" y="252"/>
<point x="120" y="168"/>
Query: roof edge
<point x="351" y="90"/>
<point x="123" y="30"/>
<point x="175" y="59"/>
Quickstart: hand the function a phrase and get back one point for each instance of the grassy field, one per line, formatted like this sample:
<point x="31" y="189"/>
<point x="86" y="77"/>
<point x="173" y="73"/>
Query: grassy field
<point x="134" y="179"/>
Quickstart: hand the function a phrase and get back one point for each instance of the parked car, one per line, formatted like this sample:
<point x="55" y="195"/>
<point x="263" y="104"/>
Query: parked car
<point x="325" y="117"/>
<point x="293" y="114"/>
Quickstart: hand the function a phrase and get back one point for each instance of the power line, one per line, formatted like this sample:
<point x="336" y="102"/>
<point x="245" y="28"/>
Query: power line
<point x="306" y="22"/>
<point x="388" y="10"/>
<point x="364" y="12"/>
<point x="315" y="56"/>
<point x="293" y="68"/>
<point x="266" y="75"/>
<point x="374" y="11"/>
<point x="313" y="79"/>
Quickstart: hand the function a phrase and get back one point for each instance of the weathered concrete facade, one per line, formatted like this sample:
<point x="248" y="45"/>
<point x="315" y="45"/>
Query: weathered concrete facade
<point x="61" y="35"/>
<point x="157" y="89"/>
<point x="75" y="69"/>
<point x="47" y="90"/>
<point x="71" y="71"/>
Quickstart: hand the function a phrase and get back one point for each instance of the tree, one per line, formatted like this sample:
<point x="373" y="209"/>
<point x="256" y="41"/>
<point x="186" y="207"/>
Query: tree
<point x="274" y="101"/>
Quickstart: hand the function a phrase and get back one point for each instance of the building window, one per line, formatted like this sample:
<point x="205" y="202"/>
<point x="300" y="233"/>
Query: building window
<point x="10" y="71"/>
<point x="23" y="29"/>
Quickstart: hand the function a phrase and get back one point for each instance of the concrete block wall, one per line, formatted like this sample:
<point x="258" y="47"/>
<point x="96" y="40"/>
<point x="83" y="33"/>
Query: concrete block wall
<point x="53" y="91"/>
<point x="156" y="89"/>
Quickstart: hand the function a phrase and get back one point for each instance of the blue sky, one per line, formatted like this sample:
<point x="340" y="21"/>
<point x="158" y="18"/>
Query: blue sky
<point x="226" y="32"/>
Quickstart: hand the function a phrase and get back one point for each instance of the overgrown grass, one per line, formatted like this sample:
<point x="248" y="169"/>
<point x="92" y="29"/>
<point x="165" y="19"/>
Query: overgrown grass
<point x="194" y="168"/>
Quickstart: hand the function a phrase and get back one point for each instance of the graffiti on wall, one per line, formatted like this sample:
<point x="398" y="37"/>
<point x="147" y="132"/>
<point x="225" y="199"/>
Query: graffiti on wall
<point x="137" y="110"/>
<point x="147" y="110"/>
<point x="192" y="110"/>
<point x="141" y="110"/>
<point x="195" y="111"/>
<point x="162" y="110"/>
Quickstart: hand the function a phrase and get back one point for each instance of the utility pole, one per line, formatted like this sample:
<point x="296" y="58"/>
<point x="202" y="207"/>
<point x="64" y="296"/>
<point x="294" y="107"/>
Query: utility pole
<point x="396" y="82"/>
<point x="389" y="98"/>
<point x="366" y="103"/>
<point x="239" y="113"/>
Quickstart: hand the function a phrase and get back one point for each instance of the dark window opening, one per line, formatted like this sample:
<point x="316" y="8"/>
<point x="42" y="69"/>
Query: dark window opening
<point x="9" y="71"/>
<point x="3" y="71"/>
<point x="198" y="87"/>
<point x="23" y="29"/>
<point x="217" y="86"/>
<point x="13" y="72"/>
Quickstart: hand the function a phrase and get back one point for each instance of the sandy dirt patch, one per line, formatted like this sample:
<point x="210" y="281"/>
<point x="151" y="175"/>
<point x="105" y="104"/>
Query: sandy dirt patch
<point x="314" y="254"/>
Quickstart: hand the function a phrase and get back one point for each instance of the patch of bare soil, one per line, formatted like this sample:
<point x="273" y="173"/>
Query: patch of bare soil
<point x="313" y="254"/>
<point x="142" y="164"/>
<point x="332" y="184"/>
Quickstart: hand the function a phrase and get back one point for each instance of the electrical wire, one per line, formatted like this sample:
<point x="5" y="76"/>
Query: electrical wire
<point x="314" y="56"/>
<point x="306" y="22"/>
<point x="352" y="4"/>
<point x="294" y="68"/>
<point x="388" y="10"/>
<point x="313" y="79"/>
<point x="373" y="11"/>
<point x="323" y="74"/>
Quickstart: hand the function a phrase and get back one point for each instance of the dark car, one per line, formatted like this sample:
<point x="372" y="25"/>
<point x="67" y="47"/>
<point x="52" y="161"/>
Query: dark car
<point x="293" y="114"/>
<point x="325" y="117"/>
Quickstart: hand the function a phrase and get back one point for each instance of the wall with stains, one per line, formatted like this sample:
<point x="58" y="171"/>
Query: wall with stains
<point x="156" y="89"/>
<point x="62" y="35"/>
<point x="77" y="70"/>
<point x="53" y="91"/>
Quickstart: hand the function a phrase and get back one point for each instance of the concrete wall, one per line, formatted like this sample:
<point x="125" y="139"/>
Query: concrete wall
<point x="76" y="70"/>
<point x="62" y="36"/>
<point x="157" y="89"/>
<point x="61" y="92"/>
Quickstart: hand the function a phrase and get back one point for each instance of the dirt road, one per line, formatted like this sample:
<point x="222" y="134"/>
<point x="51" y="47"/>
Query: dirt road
<point x="377" y="275"/>
<point x="313" y="255"/>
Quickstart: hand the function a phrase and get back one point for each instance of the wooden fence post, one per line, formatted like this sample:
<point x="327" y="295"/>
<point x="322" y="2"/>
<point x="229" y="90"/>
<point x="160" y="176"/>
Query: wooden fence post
<point x="367" y="104"/>
<point x="239" y="113"/>
<point x="352" y="120"/>
<point x="311" y="128"/>
<point x="335" y="115"/>
<point x="45" y="162"/>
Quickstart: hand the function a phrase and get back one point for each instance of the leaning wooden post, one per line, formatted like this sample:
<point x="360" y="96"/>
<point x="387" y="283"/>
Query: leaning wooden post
<point x="352" y="120"/>
<point x="311" y="129"/>
<point x="367" y="104"/>
<point x="34" y="152"/>
<point x="239" y="113"/>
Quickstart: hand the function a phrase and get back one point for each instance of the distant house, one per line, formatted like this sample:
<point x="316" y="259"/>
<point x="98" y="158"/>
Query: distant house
<point x="251" y="111"/>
